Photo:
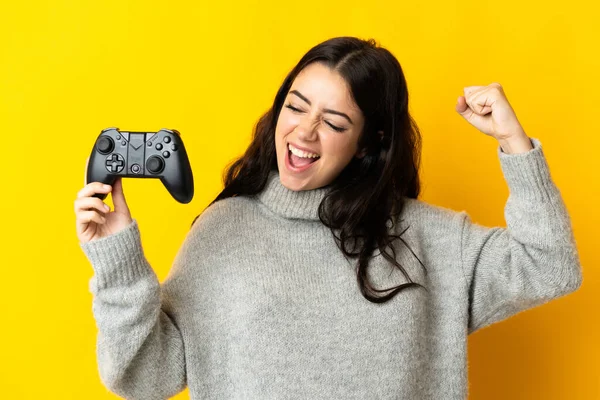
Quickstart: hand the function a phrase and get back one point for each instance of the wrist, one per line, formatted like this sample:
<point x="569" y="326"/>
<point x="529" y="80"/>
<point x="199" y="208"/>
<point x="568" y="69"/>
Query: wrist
<point x="516" y="145"/>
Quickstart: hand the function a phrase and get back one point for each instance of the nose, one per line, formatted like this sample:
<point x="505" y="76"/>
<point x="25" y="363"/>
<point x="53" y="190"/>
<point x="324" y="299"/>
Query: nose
<point x="306" y="130"/>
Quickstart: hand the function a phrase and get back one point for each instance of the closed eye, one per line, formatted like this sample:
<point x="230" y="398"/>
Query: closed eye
<point x="335" y="128"/>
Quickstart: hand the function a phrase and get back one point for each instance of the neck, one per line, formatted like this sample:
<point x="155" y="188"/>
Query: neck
<point x="287" y="203"/>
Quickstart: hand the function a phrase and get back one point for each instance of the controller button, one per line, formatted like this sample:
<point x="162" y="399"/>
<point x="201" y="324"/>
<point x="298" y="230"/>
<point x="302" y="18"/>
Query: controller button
<point x="118" y="137"/>
<point x="105" y="145"/>
<point x="174" y="147"/>
<point x="155" y="164"/>
<point x="115" y="163"/>
<point x="158" y="146"/>
<point x="123" y="143"/>
<point x="166" y="154"/>
<point x="149" y="143"/>
<point x="167" y="139"/>
<point x="135" y="168"/>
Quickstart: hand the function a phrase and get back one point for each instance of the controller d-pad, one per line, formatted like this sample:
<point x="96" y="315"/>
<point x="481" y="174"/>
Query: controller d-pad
<point x="115" y="163"/>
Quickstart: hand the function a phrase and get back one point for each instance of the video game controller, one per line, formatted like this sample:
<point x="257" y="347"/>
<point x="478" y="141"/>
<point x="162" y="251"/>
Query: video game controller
<point x="159" y="155"/>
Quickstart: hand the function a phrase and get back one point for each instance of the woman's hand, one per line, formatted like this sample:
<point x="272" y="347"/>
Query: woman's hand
<point x="94" y="219"/>
<point x="487" y="109"/>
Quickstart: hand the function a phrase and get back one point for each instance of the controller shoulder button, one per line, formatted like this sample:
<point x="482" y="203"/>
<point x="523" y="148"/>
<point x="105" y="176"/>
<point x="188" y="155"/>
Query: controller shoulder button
<point x="110" y="129"/>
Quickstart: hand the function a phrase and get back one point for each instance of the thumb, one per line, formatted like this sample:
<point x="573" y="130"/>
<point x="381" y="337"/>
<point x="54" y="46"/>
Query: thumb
<point x="118" y="197"/>
<point x="463" y="109"/>
<point x="461" y="105"/>
<point x="474" y="119"/>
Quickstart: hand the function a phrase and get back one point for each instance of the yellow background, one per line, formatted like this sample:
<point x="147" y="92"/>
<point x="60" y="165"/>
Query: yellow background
<point x="70" y="68"/>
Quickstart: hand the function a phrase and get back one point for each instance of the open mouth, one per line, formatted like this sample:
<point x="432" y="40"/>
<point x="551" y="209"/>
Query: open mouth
<point x="300" y="162"/>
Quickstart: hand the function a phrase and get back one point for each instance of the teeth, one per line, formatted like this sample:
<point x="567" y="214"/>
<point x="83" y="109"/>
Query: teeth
<point x="300" y="153"/>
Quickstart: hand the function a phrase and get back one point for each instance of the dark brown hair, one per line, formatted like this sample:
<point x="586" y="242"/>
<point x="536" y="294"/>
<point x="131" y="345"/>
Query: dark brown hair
<point x="370" y="191"/>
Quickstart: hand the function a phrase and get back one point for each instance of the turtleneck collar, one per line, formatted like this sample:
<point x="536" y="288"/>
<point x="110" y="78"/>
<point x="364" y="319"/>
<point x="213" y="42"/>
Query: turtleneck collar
<point x="302" y="204"/>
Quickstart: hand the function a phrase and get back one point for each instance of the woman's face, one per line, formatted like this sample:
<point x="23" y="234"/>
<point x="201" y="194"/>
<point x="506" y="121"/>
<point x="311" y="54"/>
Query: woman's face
<point x="318" y="118"/>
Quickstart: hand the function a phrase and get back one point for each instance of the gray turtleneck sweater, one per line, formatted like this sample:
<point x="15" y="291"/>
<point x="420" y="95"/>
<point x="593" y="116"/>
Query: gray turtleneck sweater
<point x="261" y="304"/>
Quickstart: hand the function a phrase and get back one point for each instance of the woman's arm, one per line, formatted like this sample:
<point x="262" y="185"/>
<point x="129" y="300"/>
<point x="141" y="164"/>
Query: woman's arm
<point x="530" y="262"/>
<point x="139" y="346"/>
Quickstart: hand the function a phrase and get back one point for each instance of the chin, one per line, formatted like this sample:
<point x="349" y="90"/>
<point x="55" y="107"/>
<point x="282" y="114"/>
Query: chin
<point x="292" y="182"/>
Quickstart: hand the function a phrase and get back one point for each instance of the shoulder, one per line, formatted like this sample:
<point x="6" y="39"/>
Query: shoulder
<point x="432" y="216"/>
<point x="420" y="208"/>
<point x="432" y="231"/>
<point x="216" y="225"/>
<point x="223" y="213"/>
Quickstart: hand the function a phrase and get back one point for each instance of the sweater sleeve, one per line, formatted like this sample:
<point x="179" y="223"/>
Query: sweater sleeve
<point x="531" y="261"/>
<point x="140" y="349"/>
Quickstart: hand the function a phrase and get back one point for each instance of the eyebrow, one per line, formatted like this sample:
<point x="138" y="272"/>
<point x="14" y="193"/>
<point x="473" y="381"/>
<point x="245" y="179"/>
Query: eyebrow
<point x="327" y="110"/>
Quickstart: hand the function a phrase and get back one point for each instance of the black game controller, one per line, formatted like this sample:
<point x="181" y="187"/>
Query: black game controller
<point x="142" y="155"/>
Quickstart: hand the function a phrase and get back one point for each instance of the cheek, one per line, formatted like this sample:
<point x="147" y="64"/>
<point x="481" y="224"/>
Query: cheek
<point x="282" y="129"/>
<point x="338" y="147"/>
<point x="284" y="125"/>
<point x="279" y="129"/>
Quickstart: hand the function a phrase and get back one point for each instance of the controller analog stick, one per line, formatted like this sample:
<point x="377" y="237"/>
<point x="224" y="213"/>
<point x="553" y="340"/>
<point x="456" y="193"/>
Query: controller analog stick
<point x="105" y="145"/>
<point x="155" y="164"/>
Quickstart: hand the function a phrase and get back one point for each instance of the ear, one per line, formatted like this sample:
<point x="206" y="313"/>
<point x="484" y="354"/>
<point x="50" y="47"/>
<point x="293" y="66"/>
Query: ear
<point x="363" y="152"/>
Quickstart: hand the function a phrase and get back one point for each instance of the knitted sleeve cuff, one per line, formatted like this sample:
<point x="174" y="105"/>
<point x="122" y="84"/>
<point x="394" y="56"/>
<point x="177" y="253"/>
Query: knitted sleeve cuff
<point x="117" y="259"/>
<point x="527" y="174"/>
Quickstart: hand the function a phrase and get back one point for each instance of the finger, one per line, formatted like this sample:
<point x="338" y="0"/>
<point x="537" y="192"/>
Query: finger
<point x="92" y="188"/>
<point x="481" y="102"/>
<point x="467" y="113"/>
<point x="472" y="93"/>
<point x="86" y="217"/>
<point x="118" y="197"/>
<point x="471" y="89"/>
<point x="88" y="203"/>
<point x="87" y="162"/>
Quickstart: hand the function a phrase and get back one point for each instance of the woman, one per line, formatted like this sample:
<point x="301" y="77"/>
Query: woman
<point x="317" y="273"/>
